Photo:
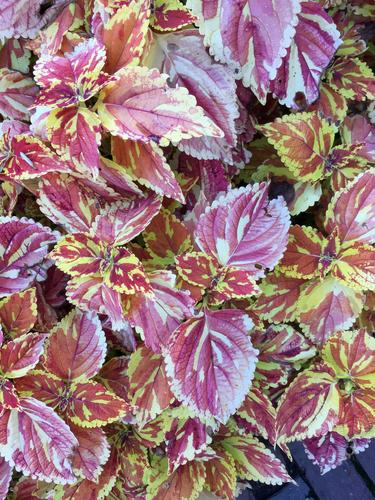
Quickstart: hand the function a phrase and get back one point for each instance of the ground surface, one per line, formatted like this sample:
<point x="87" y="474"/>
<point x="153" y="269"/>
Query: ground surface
<point x="355" y="479"/>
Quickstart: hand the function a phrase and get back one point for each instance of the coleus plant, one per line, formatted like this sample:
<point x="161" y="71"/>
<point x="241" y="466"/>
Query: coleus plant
<point x="187" y="223"/>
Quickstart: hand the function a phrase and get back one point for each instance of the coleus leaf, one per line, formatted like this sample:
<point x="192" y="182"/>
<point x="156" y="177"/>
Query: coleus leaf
<point x="91" y="405"/>
<point x="257" y="410"/>
<point x="356" y="267"/>
<point x="351" y="354"/>
<point x="119" y="223"/>
<point x="23" y="246"/>
<point x="85" y="257"/>
<point x="148" y="387"/>
<point x="221" y="475"/>
<point x="5" y="477"/>
<point x="328" y="451"/>
<point x="352" y="212"/>
<point x="75" y="134"/>
<point x="69" y="202"/>
<point x="87" y="404"/>
<point x="352" y="78"/>
<point x="278" y="301"/>
<point x="281" y="348"/>
<point x="17" y="94"/>
<point x="134" y="461"/>
<point x="20" y="355"/>
<point x="27" y="157"/>
<point x="101" y="488"/>
<point x="304" y="142"/>
<point x="185" y="483"/>
<point x="310" y="406"/>
<point x="313" y="46"/>
<point x="145" y="163"/>
<point x="52" y="37"/>
<point x="76" y="347"/>
<point x="90" y="293"/>
<point x="72" y="79"/>
<point x="140" y="106"/>
<point x="326" y="306"/>
<point x="204" y="374"/>
<point x="37" y="442"/>
<point x="357" y="129"/>
<point x="18" y="313"/>
<point x="23" y="19"/>
<point x="239" y="35"/>
<point x="117" y="178"/>
<point x="186" y="438"/>
<point x="170" y="15"/>
<point x="92" y="452"/>
<point x="304" y="255"/>
<point x="186" y="61"/>
<point x="253" y="461"/>
<point x="220" y="283"/>
<point x="356" y="418"/>
<point x="331" y="105"/>
<point x="352" y="42"/>
<point x="114" y="376"/>
<point x="124" y="35"/>
<point x="155" y="318"/>
<point x="246" y="215"/>
<point x="14" y="55"/>
<point x="165" y="237"/>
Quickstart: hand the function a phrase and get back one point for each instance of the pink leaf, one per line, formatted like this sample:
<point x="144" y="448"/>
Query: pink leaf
<point x="213" y="85"/>
<point x="92" y="452"/>
<point x="244" y="229"/>
<point x="23" y="246"/>
<point x="19" y="356"/>
<point x="155" y="318"/>
<point x="5" y="477"/>
<point x="249" y="36"/>
<point x="37" y="442"/>
<point x="328" y="451"/>
<point x="311" y="51"/>
<point x="76" y="347"/>
<point x="210" y="362"/>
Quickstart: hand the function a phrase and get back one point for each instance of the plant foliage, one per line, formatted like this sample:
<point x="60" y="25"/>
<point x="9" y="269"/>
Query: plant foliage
<point x="187" y="229"/>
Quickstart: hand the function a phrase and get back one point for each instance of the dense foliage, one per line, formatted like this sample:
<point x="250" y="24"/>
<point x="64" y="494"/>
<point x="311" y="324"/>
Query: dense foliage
<point x="187" y="272"/>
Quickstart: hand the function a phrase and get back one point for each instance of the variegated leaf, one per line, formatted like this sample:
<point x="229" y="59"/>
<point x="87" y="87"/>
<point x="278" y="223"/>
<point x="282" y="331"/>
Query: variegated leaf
<point x="37" y="442"/>
<point x="148" y="388"/>
<point x="352" y="78"/>
<point x="310" y="406"/>
<point x="69" y="80"/>
<point x="352" y="211"/>
<point x="311" y="51"/>
<point x="327" y="306"/>
<point x="351" y="354"/>
<point x="75" y="134"/>
<point x="155" y="318"/>
<point x="76" y="347"/>
<point x="18" y="313"/>
<point x="20" y="355"/>
<point x="210" y="362"/>
<point x="145" y="163"/>
<point x="185" y="483"/>
<point x="124" y="35"/>
<point x="253" y="461"/>
<point x="140" y="106"/>
<point x="23" y="246"/>
<point x="171" y="15"/>
<point x="248" y="36"/>
<point x="252" y="233"/>
<point x="17" y="94"/>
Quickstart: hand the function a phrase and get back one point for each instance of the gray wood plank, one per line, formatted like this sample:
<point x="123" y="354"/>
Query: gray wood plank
<point x="343" y="483"/>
